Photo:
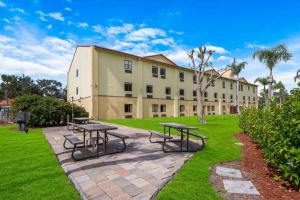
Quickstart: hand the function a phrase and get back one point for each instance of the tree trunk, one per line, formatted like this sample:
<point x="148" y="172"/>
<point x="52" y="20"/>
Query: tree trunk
<point x="237" y="96"/>
<point x="270" y="86"/>
<point x="200" y="110"/>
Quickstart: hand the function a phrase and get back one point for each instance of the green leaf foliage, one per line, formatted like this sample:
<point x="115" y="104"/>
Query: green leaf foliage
<point x="46" y="111"/>
<point x="277" y="130"/>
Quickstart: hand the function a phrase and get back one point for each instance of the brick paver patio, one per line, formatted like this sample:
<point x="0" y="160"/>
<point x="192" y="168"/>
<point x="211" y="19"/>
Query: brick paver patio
<point x="138" y="173"/>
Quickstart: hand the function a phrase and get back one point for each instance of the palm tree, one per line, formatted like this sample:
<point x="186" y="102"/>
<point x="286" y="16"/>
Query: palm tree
<point x="281" y="91"/>
<point x="236" y="70"/>
<point x="297" y="75"/>
<point x="271" y="57"/>
<point x="264" y="82"/>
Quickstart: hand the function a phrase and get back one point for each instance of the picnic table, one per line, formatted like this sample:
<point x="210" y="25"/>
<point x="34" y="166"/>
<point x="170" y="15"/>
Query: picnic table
<point x="183" y="129"/>
<point x="97" y="128"/>
<point x="81" y="120"/>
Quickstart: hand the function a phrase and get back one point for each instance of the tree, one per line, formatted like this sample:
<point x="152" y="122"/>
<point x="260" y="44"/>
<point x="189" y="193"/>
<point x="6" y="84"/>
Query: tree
<point x="50" y="88"/>
<point x="204" y="56"/>
<point x="282" y="93"/>
<point x="271" y="57"/>
<point x="26" y="85"/>
<point x="297" y="75"/>
<point x="236" y="70"/>
<point x="264" y="82"/>
<point x="8" y="85"/>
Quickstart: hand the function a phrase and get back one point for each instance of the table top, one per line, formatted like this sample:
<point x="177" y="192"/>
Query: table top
<point x="81" y="118"/>
<point x="178" y="126"/>
<point x="96" y="127"/>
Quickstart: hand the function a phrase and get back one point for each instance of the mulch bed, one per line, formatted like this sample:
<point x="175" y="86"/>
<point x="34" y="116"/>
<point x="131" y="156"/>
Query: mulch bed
<point x="262" y="175"/>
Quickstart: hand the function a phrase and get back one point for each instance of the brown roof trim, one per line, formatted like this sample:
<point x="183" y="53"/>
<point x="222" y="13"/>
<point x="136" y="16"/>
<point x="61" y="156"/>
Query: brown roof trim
<point x="151" y="56"/>
<point x="144" y="58"/>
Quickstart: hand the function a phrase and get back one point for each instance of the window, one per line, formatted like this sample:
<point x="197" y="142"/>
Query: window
<point x="205" y="94"/>
<point x="212" y="83"/>
<point x="244" y="98"/>
<point x="231" y="85"/>
<point x="181" y="76"/>
<point x="223" y="84"/>
<point x="128" y="66"/>
<point x="168" y="90"/>
<point x="128" y="108"/>
<point x="208" y="108"/>
<point x="128" y="87"/>
<point x="216" y="95"/>
<point x="181" y="92"/>
<point x="249" y="99"/>
<point x="154" y="107"/>
<point x="224" y="108"/>
<point x="162" y="72"/>
<point x="149" y="89"/>
<point x="241" y="87"/>
<point x="154" y="71"/>
<point x="181" y="108"/>
<point x="212" y="108"/>
<point x="253" y="89"/>
<point x="231" y="96"/>
<point x="77" y="72"/>
<point x="194" y="108"/>
<point x="194" y="93"/>
<point x="254" y="98"/>
<point x="223" y="96"/>
<point x="163" y="108"/>
<point x="248" y="88"/>
<point x="76" y="90"/>
<point x="194" y="79"/>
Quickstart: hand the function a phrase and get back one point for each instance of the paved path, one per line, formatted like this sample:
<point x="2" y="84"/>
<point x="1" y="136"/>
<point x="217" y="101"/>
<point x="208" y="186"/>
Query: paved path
<point x="138" y="173"/>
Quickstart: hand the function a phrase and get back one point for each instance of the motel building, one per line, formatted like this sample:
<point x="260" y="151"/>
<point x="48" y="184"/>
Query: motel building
<point x="111" y="84"/>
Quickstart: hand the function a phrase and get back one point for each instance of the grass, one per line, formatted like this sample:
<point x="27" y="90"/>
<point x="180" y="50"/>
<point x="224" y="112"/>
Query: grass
<point x="192" y="182"/>
<point x="29" y="169"/>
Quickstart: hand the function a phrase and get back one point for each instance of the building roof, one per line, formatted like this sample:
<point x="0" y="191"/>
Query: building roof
<point x="158" y="58"/>
<point x="5" y="102"/>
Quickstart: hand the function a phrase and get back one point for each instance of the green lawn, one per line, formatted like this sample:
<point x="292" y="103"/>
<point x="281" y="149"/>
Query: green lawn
<point x="29" y="169"/>
<point x="192" y="182"/>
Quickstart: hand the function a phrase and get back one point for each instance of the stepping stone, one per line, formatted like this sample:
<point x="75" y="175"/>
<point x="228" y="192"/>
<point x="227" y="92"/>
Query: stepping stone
<point x="240" y="187"/>
<point x="224" y="171"/>
<point x="239" y="143"/>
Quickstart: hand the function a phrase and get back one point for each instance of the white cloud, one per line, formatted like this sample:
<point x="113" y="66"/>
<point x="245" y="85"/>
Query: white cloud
<point x="2" y="4"/>
<point x="57" y="15"/>
<point x="83" y="25"/>
<point x="217" y="49"/>
<point x="164" y="41"/>
<point x="35" y="54"/>
<point x="20" y="10"/>
<point x="125" y="28"/>
<point x="6" y="20"/>
<point x="225" y="59"/>
<point x="98" y="28"/>
<point x="144" y="34"/>
<point x="255" y="46"/>
<point x="49" y="26"/>
<point x="68" y="9"/>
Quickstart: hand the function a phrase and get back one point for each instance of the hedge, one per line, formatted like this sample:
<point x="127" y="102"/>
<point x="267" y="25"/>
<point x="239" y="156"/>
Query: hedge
<point x="46" y="111"/>
<point x="277" y="130"/>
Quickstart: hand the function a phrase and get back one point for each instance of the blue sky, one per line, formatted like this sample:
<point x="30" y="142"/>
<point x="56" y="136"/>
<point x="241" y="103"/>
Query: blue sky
<point x="38" y="37"/>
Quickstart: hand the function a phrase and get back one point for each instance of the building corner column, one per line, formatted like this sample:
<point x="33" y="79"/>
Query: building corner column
<point x="94" y="83"/>
<point x="139" y="103"/>
<point x="220" y="107"/>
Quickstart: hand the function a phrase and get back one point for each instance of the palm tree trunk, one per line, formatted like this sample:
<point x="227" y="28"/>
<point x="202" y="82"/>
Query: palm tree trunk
<point x="237" y="96"/>
<point x="270" y="86"/>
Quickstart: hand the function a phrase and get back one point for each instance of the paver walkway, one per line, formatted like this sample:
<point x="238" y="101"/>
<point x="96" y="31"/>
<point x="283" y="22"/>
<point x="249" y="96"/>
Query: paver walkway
<point x="138" y="173"/>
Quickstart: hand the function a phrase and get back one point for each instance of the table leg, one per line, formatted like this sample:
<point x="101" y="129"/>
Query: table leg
<point x="187" y="140"/>
<point x="105" y="141"/>
<point x="181" y="142"/>
<point x="84" y="137"/>
<point x="169" y="133"/>
<point x="97" y="142"/>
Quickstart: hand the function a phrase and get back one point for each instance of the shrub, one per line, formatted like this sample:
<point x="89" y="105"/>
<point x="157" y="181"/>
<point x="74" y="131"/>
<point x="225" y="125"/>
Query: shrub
<point x="277" y="130"/>
<point x="46" y="111"/>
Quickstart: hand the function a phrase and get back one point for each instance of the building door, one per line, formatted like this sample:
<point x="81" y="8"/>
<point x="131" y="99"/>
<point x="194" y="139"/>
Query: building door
<point x="233" y="110"/>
